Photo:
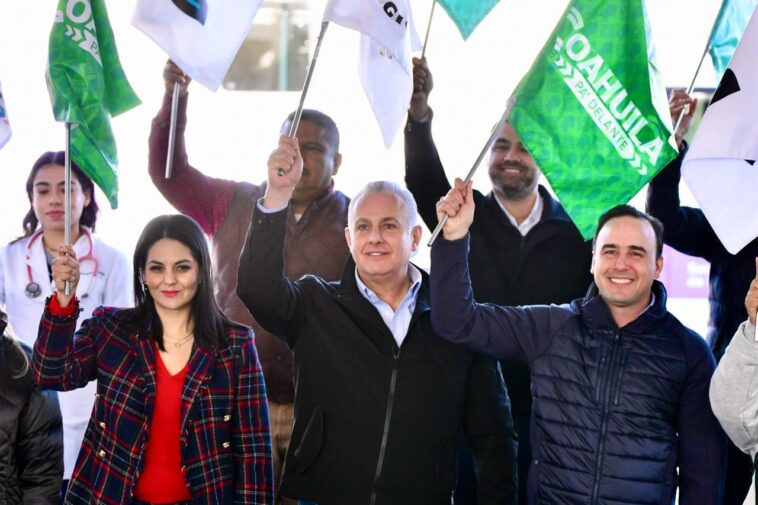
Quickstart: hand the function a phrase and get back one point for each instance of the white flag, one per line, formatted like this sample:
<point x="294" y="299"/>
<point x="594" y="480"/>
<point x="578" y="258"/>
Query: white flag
<point x="201" y="36"/>
<point x="5" y="126"/>
<point x="720" y="168"/>
<point x="388" y="36"/>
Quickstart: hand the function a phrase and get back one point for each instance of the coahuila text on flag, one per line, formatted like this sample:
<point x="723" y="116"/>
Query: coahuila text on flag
<point x="87" y="85"/>
<point x="592" y="110"/>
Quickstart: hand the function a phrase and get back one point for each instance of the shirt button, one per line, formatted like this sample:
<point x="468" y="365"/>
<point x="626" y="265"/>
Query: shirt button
<point x="101" y="453"/>
<point x="227" y="417"/>
<point x="226" y="445"/>
<point x="102" y="425"/>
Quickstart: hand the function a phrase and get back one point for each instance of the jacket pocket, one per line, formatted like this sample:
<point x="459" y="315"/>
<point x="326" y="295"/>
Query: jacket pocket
<point x="310" y="444"/>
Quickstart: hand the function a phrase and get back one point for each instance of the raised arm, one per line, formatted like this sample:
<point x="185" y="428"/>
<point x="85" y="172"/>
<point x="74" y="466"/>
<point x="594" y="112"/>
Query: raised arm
<point x="270" y="297"/>
<point x="685" y="228"/>
<point x="489" y="432"/>
<point x="205" y="199"/>
<point x="516" y="333"/>
<point x="424" y="174"/>
<point x="60" y="360"/>
<point x="251" y="435"/>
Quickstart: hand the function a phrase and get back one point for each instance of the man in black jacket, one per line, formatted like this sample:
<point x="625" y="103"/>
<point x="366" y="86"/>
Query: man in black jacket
<point x="524" y="248"/>
<point x="380" y="400"/>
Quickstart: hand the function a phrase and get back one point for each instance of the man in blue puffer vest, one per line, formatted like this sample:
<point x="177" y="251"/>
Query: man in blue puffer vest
<point x="620" y="387"/>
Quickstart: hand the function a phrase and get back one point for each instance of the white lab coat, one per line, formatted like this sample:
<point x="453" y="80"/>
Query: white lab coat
<point x="112" y="286"/>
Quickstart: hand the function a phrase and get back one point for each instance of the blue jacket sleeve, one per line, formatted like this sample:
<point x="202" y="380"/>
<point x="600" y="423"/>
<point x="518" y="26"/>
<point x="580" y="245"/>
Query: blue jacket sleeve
<point x="515" y="333"/>
<point x="702" y="443"/>
<point x="684" y="228"/>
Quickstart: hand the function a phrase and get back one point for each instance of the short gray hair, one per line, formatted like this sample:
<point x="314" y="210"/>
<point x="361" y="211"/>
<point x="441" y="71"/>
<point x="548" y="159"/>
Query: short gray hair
<point x="390" y="188"/>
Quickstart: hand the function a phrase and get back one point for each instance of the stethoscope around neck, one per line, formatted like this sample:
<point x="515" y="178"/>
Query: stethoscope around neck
<point x="33" y="288"/>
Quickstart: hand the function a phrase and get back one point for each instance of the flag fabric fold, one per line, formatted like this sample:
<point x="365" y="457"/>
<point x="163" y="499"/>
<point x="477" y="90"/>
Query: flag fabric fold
<point x="87" y="85"/>
<point x="5" y="126"/>
<point x="388" y="36"/>
<point x="467" y="14"/>
<point x="201" y="36"/>
<point x="720" y="166"/>
<point x="730" y="24"/>
<point x="593" y="112"/>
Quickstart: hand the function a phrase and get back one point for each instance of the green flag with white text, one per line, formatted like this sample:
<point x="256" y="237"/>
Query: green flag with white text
<point x="87" y="85"/>
<point x="593" y="111"/>
<point x="467" y="14"/>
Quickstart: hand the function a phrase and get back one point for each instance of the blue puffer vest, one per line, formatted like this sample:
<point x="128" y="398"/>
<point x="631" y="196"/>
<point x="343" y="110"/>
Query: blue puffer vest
<point x="604" y="427"/>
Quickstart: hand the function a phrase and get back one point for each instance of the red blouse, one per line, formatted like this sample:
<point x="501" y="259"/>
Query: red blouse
<point x="162" y="478"/>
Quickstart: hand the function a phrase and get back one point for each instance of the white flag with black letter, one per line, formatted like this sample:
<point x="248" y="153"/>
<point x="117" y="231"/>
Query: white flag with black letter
<point x="5" y="126"/>
<point x="720" y="168"/>
<point x="202" y="37"/>
<point x="388" y="36"/>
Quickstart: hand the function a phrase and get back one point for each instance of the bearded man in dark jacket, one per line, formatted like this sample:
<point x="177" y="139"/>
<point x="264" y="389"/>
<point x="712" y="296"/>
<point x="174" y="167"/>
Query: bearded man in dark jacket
<point x="620" y="387"/>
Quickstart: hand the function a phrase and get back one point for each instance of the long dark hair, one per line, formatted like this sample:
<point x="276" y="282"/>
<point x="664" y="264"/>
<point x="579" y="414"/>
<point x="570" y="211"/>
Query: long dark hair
<point x="208" y="320"/>
<point x="89" y="213"/>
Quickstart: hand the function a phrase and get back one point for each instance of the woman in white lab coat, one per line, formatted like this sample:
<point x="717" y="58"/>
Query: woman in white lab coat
<point x="25" y="282"/>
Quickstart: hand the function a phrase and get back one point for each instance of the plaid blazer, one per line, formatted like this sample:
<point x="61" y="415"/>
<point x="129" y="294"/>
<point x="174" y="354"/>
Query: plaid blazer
<point x="225" y="435"/>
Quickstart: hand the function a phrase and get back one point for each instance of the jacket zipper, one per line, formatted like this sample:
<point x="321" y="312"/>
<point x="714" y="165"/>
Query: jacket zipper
<point x="620" y="377"/>
<point x="607" y="383"/>
<point x="385" y="434"/>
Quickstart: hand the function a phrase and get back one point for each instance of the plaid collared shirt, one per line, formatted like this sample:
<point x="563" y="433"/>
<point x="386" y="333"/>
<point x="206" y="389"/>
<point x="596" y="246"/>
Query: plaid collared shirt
<point x="225" y="436"/>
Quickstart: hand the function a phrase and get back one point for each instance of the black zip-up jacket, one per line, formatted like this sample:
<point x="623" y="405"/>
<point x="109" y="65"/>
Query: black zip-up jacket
<point x="31" y="434"/>
<point x="374" y="424"/>
<point x="551" y="264"/>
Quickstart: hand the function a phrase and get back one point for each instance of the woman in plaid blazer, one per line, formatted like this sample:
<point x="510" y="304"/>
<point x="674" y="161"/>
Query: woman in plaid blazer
<point x="152" y="438"/>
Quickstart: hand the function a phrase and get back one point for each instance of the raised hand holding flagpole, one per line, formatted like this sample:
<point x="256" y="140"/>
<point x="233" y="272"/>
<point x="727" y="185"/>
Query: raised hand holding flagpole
<point x="470" y="175"/>
<point x="727" y="30"/>
<point x="176" y="81"/>
<point x="298" y="114"/>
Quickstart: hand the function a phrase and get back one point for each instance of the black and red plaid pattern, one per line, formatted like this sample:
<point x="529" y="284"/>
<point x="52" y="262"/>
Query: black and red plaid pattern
<point x="225" y="436"/>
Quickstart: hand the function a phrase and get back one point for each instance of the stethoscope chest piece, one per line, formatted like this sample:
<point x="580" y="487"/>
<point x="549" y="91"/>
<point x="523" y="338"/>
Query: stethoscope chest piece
<point x="33" y="290"/>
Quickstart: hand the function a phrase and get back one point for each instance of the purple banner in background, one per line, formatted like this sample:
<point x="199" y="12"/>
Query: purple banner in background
<point x="684" y="276"/>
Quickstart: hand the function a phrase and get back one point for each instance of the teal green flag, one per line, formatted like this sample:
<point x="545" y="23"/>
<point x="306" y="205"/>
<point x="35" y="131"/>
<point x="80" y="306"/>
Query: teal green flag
<point x="87" y="85"/>
<point x="593" y="112"/>
<point x="727" y="30"/>
<point x="467" y="14"/>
